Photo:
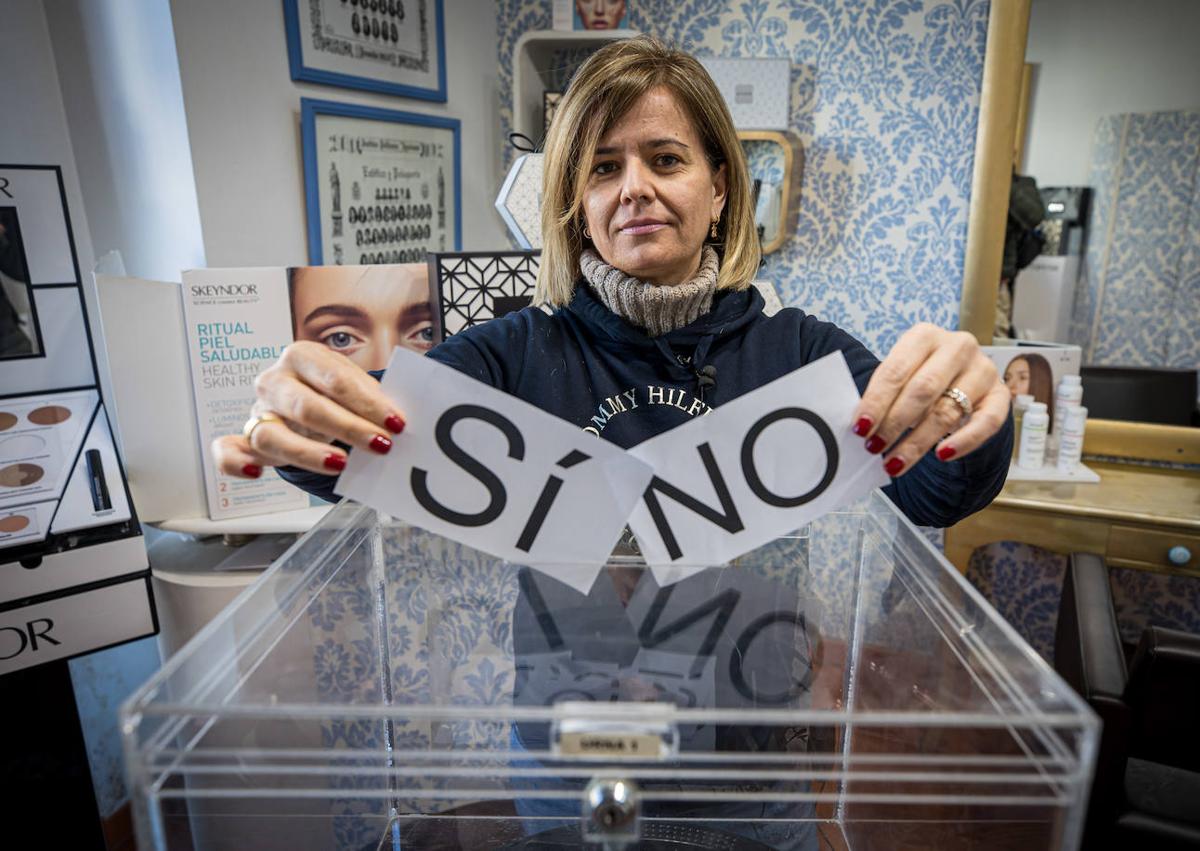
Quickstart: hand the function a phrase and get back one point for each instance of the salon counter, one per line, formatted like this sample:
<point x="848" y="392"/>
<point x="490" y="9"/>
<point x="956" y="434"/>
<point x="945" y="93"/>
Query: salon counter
<point x="1133" y="517"/>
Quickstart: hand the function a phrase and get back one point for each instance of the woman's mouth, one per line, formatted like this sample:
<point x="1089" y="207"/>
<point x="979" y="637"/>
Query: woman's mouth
<point x="640" y="228"/>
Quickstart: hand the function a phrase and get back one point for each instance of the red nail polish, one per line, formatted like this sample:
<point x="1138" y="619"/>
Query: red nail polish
<point x="875" y="444"/>
<point x="863" y="426"/>
<point x="333" y="461"/>
<point x="380" y="444"/>
<point x="894" y="466"/>
<point x="252" y="470"/>
<point x="394" y="423"/>
<point x="946" y="453"/>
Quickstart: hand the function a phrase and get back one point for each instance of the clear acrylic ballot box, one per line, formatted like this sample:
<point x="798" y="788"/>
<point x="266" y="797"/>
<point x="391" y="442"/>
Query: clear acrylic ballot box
<point x="381" y="687"/>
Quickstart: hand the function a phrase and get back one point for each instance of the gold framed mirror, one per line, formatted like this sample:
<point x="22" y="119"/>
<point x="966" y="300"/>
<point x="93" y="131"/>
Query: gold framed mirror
<point x="779" y="203"/>
<point x="998" y="138"/>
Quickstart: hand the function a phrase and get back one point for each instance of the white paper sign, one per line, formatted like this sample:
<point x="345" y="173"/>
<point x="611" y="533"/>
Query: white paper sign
<point x="756" y="468"/>
<point x="498" y="474"/>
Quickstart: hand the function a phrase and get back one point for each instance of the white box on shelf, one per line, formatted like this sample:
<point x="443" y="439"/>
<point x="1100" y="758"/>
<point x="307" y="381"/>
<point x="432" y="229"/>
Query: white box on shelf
<point x="1042" y="298"/>
<point x="757" y="91"/>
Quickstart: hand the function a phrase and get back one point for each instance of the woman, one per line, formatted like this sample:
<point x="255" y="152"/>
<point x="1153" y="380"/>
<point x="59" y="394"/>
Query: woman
<point x="649" y="251"/>
<point x="649" y="248"/>
<point x="1030" y="374"/>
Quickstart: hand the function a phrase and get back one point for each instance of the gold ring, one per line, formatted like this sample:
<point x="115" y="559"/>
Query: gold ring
<point x="255" y="422"/>
<point x="961" y="399"/>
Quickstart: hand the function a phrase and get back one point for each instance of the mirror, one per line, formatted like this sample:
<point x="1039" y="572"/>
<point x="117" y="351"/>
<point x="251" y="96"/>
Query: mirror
<point x="1100" y="108"/>
<point x="775" y="160"/>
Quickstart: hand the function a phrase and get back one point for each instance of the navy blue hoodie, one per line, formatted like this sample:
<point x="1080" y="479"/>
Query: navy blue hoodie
<point x="590" y="367"/>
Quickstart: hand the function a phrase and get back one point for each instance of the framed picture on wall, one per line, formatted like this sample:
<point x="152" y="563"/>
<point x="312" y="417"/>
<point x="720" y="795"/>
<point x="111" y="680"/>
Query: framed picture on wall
<point x="394" y="47"/>
<point x="380" y="186"/>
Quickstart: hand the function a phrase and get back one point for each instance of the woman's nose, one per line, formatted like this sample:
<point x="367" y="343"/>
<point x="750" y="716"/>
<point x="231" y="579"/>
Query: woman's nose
<point x="638" y="185"/>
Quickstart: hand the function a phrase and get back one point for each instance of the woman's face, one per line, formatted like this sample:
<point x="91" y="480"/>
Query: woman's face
<point x="600" y="14"/>
<point x="651" y="196"/>
<point x="363" y="311"/>
<point x="1016" y="377"/>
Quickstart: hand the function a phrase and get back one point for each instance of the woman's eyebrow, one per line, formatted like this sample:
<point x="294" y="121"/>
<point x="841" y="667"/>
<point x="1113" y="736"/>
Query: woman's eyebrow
<point x="418" y="312"/>
<point x="653" y="143"/>
<point x="341" y="311"/>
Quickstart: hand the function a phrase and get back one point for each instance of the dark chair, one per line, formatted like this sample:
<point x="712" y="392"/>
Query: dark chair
<point x="1146" y="792"/>
<point x="1140" y="394"/>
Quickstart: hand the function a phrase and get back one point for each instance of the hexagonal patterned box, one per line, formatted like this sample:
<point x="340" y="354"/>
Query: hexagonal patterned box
<point x="520" y="201"/>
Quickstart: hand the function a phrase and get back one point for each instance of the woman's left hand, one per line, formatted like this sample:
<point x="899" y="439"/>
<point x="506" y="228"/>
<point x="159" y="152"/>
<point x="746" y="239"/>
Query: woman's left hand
<point x="909" y="391"/>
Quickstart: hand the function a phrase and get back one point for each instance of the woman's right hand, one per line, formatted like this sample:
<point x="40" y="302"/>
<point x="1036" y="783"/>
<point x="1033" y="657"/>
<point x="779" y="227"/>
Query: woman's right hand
<point x="319" y="396"/>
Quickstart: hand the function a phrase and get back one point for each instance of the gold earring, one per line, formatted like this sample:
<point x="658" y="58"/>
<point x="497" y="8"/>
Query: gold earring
<point x="587" y="234"/>
<point x="712" y="232"/>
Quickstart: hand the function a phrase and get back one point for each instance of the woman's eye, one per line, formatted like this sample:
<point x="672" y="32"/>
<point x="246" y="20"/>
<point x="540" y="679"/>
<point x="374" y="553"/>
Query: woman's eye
<point x="421" y="338"/>
<point x="604" y="168"/>
<point x="339" y="340"/>
<point x="668" y="160"/>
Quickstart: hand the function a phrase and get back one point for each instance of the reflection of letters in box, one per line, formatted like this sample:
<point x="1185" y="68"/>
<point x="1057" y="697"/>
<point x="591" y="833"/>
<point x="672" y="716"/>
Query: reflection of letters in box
<point x="381" y="686"/>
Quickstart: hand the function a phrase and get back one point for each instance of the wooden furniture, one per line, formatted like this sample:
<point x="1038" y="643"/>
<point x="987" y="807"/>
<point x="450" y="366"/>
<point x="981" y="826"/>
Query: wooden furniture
<point x="1133" y="518"/>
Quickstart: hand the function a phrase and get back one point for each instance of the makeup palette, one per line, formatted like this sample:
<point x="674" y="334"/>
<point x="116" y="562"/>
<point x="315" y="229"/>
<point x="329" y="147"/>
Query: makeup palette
<point x="27" y="523"/>
<point x="39" y="448"/>
<point x="40" y="441"/>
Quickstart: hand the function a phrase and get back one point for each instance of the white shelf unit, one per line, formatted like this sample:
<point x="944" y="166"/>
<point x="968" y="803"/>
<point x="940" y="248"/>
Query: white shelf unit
<point x="533" y="70"/>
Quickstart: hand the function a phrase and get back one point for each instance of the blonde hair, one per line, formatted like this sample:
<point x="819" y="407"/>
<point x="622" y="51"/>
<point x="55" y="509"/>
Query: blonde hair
<point x="604" y="88"/>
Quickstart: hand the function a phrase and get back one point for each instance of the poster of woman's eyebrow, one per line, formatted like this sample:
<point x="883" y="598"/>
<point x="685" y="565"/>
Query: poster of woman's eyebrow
<point x="379" y="191"/>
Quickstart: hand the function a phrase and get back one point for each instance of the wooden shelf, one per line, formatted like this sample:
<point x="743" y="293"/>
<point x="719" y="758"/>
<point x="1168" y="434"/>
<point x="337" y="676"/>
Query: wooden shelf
<point x="533" y="68"/>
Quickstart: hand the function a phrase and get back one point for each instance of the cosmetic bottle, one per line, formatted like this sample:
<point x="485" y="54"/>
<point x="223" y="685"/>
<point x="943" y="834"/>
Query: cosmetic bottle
<point x="1069" y="392"/>
<point x="1070" y="438"/>
<point x="1020" y="406"/>
<point x="1033" y="437"/>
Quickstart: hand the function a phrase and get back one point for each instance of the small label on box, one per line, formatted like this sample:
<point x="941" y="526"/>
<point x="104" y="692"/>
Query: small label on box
<point x="614" y="745"/>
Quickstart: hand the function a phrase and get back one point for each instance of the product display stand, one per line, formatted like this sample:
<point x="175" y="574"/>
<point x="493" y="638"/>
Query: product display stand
<point x="73" y="572"/>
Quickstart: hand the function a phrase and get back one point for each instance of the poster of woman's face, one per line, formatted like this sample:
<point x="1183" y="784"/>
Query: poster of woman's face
<point x="600" y="14"/>
<point x="1030" y="374"/>
<point x="363" y="312"/>
<point x="18" y="324"/>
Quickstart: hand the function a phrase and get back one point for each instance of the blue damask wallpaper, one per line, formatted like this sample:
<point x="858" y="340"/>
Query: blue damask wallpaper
<point x="1024" y="584"/>
<point x="885" y="98"/>
<point x="1138" y="300"/>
